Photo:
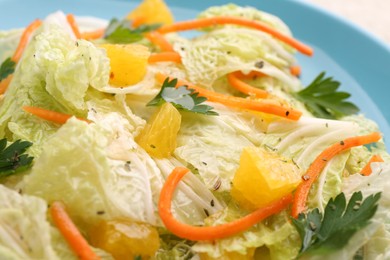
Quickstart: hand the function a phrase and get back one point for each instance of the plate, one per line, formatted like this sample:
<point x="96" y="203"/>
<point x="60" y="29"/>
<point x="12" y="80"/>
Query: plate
<point x="352" y="56"/>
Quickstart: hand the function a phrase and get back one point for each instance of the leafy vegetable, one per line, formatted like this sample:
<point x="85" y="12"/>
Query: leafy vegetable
<point x="181" y="97"/>
<point x="323" y="234"/>
<point x="323" y="100"/>
<point x="7" y="68"/>
<point x="121" y="31"/>
<point x="12" y="158"/>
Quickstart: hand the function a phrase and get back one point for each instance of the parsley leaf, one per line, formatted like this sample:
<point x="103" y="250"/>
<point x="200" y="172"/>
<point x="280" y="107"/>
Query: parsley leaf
<point x="12" y="158"/>
<point x="322" y="234"/>
<point x="182" y="98"/>
<point x="7" y="68"/>
<point x="121" y="31"/>
<point x="323" y="100"/>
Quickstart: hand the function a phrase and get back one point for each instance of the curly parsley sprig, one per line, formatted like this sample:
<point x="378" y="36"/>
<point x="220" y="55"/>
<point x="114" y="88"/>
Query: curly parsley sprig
<point x="325" y="233"/>
<point x="181" y="97"/>
<point x="7" y="68"/>
<point x="120" y="31"/>
<point x="13" y="158"/>
<point x="323" y="99"/>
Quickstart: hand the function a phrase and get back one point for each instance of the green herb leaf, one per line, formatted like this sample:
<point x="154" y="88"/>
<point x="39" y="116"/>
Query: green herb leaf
<point x="323" y="100"/>
<point x="182" y="98"/>
<point x="7" y="68"/>
<point x="323" y="234"/>
<point x="121" y="31"/>
<point x="12" y="158"/>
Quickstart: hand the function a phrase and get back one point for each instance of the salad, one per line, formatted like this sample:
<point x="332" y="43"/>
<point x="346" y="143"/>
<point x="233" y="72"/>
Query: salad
<point x="123" y="139"/>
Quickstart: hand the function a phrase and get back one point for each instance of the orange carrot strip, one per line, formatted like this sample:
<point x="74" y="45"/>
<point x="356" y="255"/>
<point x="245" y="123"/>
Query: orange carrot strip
<point x="97" y="34"/>
<point x="24" y="39"/>
<point x="49" y="115"/>
<point x="318" y="165"/>
<point x="210" y="232"/>
<point x="158" y="39"/>
<point x="73" y="25"/>
<point x="222" y="20"/>
<point x="366" y="171"/>
<point x="295" y="70"/>
<point x="238" y="102"/>
<point x="4" y="84"/>
<point x="245" y="88"/>
<point x="70" y="232"/>
<point x="164" y="56"/>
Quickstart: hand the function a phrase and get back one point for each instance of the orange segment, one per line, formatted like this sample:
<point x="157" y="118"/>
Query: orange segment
<point x="151" y="12"/>
<point x="158" y="137"/>
<point x="128" y="63"/>
<point x="263" y="177"/>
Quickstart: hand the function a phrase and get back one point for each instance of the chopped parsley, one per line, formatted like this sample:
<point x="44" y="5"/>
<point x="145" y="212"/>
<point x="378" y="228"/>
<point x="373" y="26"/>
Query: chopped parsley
<point x="13" y="158"/>
<point x="182" y="98"/>
<point x="323" y="100"/>
<point x="328" y="232"/>
<point x="120" y="31"/>
<point x="7" y="68"/>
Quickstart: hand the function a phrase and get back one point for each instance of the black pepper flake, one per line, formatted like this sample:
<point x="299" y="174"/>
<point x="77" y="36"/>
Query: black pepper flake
<point x="77" y="44"/>
<point x="324" y="159"/>
<point x="100" y="212"/>
<point x="326" y="125"/>
<point x="20" y="191"/>
<point x="127" y="166"/>
<point x="217" y="184"/>
<point x="206" y="212"/>
<point x="259" y="64"/>
<point x="93" y="110"/>
<point x="341" y="142"/>
<point x="204" y="163"/>
<point x="229" y="52"/>
<point x="212" y="203"/>
<point x="287" y="113"/>
<point x="34" y="56"/>
<point x="305" y="177"/>
<point x="182" y="48"/>
<point x="153" y="146"/>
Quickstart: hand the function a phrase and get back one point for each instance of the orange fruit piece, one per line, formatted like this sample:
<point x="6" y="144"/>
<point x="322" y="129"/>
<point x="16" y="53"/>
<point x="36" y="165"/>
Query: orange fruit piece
<point x="263" y="177"/>
<point x="151" y="12"/>
<point x="158" y="138"/>
<point x="128" y="63"/>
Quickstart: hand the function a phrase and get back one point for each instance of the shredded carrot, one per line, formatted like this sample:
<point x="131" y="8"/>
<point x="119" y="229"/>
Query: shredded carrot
<point x="49" y="115"/>
<point x="295" y="70"/>
<point x="73" y="25"/>
<point x="158" y="39"/>
<point x="318" y="165"/>
<point x="24" y="39"/>
<point x="210" y="232"/>
<point x="164" y="56"/>
<point x="4" y="84"/>
<point x="366" y="171"/>
<point x="221" y="20"/>
<point x="237" y="83"/>
<point x="237" y="102"/>
<point x="70" y="232"/>
<point x="93" y="35"/>
<point x="19" y="51"/>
